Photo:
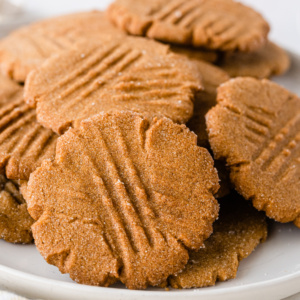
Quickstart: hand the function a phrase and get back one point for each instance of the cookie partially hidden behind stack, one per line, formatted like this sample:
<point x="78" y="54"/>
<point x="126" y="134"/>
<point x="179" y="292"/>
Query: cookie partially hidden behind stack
<point x="27" y="48"/>
<point x="212" y="78"/>
<point x="237" y="232"/>
<point x="265" y="62"/>
<point x="124" y="199"/>
<point x="24" y="143"/>
<point x="212" y="24"/>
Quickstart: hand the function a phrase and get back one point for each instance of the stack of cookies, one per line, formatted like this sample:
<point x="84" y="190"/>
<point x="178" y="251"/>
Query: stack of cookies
<point x="129" y="153"/>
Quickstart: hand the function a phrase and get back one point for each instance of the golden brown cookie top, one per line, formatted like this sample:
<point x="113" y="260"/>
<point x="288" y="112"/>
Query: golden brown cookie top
<point x="256" y="128"/>
<point x="213" y="24"/>
<point x="123" y="199"/>
<point x="24" y="143"/>
<point x="265" y="62"/>
<point x="15" y="221"/>
<point x="123" y="74"/>
<point x="27" y="48"/>
<point x="237" y="232"/>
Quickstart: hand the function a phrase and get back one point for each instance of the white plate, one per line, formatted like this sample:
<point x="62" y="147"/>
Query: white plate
<point x="271" y="272"/>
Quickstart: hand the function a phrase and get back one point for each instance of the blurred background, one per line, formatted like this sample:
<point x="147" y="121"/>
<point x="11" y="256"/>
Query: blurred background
<point x="283" y="15"/>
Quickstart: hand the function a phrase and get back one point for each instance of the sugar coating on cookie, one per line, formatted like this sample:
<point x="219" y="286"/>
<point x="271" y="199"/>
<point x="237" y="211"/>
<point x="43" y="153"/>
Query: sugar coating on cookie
<point x="27" y="48"/>
<point x="237" y="232"/>
<point x="265" y="62"/>
<point x="256" y="128"/>
<point x="124" y="199"/>
<point x="15" y="221"/>
<point x="213" y="24"/>
<point x="24" y="143"/>
<point x="124" y="74"/>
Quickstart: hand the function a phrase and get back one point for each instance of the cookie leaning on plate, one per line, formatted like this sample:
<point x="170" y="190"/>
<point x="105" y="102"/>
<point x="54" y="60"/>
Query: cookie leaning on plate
<point x="124" y="199"/>
<point x="28" y="47"/>
<point x="123" y="74"/>
<point x="256" y="128"/>
<point x="238" y="231"/>
<point x="212" y="24"/>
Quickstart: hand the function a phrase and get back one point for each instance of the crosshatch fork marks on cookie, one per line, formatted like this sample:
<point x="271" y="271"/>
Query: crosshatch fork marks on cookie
<point x="212" y="24"/>
<point x="266" y="167"/>
<point x="131" y="74"/>
<point x="115" y="181"/>
<point x="23" y="142"/>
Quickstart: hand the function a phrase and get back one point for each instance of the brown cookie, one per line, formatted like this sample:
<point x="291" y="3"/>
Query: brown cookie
<point x="212" y="77"/>
<point x="124" y="199"/>
<point x="263" y="63"/>
<point x="237" y="232"/>
<point x="256" y="128"/>
<point x="24" y="143"/>
<point x="124" y="74"/>
<point x="27" y="48"/>
<point x="15" y="221"/>
<point x="195" y="53"/>
<point x="213" y="24"/>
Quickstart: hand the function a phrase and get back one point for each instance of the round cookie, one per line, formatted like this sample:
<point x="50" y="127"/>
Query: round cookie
<point x="123" y="74"/>
<point x="212" y="24"/>
<point x="124" y="199"/>
<point x="265" y="62"/>
<point x="24" y="143"/>
<point x="256" y="128"/>
<point x="15" y="221"/>
<point x="237" y="232"/>
<point x="27" y="48"/>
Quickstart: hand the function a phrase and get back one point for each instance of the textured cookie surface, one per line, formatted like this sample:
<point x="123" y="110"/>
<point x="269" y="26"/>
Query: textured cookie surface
<point x="24" y="143"/>
<point x="27" y="48"/>
<point x="212" y="77"/>
<point x="214" y="24"/>
<point x="263" y="63"/>
<point x="237" y="232"/>
<point x="124" y="74"/>
<point x="15" y="221"/>
<point x="256" y="128"/>
<point x="123" y="199"/>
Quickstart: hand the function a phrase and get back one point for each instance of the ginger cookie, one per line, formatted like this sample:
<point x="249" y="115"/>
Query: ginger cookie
<point x="237" y="232"/>
<point x="256" y="128"/>
<point x="265" y="62"/>
<point x="195" y="53"/>
<point x="212" y="77"/>
<point x="124" y="199"/>
<point x="27" y="48"/>
<point x="15" y="221"/>
<point x="212" y="24"/>
<point x="124" y="74"/>
<point x="24" y="143"/>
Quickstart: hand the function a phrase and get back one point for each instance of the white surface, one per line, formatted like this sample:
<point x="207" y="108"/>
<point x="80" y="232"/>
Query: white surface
<point x="271" y="272"/>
